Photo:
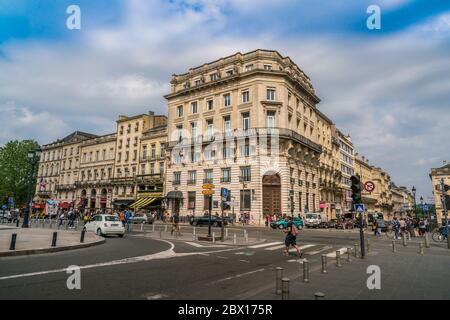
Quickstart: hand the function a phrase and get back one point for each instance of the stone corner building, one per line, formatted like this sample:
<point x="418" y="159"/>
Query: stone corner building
<point x="224" y="119"/>
<point x="436" y="175"/>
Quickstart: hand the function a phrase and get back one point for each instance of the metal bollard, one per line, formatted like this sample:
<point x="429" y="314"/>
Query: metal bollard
<point x="279" y="275"/>
<point x="165" y="228"/>
<point x="421" y="248"/>
<point x="153" y="227"/>
<point x="404" y="240"/>
<point x="349" y="252"/>
<point x="160" y="234"/>
<point x="285" y="289"/>
<point x="393" y="246"/>
<point x="338" y="258"/>
<point x="17" y="222"/>
<point x="55" y="236"/>
<point x="305" y="271"/>
<point x="214" y="237"/>
<point x="142" y="226"/>
<point x="427" y="241"/>
<point x="234" y="238"/>
<point x="319" y="296"/>
<point x="367" y="245"/>
<point x="324" y="263"/>
<point x="12" y="246"/>
<point x="226" y="233"/>
<point x="246" y="238"/>
<point x="356" y="250"/>
<point x="82" y="235"/>
<point x="66" y="225"/>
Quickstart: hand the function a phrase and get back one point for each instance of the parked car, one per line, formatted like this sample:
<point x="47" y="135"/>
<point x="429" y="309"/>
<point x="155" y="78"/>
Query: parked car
<point x="138" y="218"/>
<point x="105" y="224"/>
<point x="283" y="223"/>
<point x="315" y="219"/>
<point x="5" y="216"/>
<point x="344" y="224"/>
<point x="332" y="223"/>
<point x="204" y="221"/>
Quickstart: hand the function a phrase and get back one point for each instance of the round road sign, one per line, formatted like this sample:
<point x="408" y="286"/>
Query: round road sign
<point x="369" y="186"/>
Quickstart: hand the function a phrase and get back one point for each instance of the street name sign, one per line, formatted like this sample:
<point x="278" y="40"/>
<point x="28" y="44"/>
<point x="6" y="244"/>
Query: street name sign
<point x="208" y="186"/>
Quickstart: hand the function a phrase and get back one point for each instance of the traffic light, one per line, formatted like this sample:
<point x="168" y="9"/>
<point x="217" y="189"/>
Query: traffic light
<point x="356" y="189"/>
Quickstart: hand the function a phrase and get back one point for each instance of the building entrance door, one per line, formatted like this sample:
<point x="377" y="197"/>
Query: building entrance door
<point x="271" y="194"/>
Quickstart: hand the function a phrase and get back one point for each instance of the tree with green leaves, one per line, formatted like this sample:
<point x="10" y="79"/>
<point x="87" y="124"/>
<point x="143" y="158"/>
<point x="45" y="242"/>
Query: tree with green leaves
<point x="15" y="170"/>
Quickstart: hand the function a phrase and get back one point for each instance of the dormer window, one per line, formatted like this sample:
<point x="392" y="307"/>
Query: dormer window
<point x="268" y="67"/>
<point x="229" y="73"/>
<point x="214" y="77"/>
<point x="249" y="67"/>
<point x="198" y="82"/>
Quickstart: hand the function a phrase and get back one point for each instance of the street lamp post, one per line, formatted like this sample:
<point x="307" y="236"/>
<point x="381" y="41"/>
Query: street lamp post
<point x="33" y="157"/>
<point x="415" y="206"/>
<point x="421" y="206"/>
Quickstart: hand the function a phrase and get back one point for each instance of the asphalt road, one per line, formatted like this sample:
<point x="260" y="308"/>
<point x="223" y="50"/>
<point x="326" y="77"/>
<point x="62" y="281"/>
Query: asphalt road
<point x="136" y="267"/>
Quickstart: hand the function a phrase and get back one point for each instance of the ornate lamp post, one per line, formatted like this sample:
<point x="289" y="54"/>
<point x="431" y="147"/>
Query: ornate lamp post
<point x="33" y="157"/>
<point x="414" y="195"/>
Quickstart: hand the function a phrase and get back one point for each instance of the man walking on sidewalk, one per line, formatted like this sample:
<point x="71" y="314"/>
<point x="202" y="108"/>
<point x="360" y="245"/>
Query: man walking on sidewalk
<point x="176" y="225"/>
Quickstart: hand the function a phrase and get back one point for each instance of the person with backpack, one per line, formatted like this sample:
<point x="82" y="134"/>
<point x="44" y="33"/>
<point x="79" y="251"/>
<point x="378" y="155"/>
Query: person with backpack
<point x="291" y="238"/>
<point x="396" y="228"/>
<point x="175" y="224"/>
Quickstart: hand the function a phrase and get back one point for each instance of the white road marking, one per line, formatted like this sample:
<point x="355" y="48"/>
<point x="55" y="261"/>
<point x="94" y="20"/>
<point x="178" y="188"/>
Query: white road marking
<point x="239" y="275"/>
<point x="326" y="248"/>
<point x="156" y="297"/>
<point x="333" y="254"/>
<point x="167" y="254"/>
<point x="198" y="245"/>
<point x="246" y="261"/>
<point x="297" y="260"/>
<point x="276" y="248"/>
<point x="265" y="245"/>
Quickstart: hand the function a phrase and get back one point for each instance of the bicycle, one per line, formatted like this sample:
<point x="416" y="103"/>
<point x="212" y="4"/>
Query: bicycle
<point x="440" y="235"/>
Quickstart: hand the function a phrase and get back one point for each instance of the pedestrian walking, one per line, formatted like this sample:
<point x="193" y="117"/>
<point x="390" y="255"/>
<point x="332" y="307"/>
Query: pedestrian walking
<point x="122" y="218"/>
<point x="176" y="224"/>
<point x="396" y="228"/>
<point x="291" y="238"/>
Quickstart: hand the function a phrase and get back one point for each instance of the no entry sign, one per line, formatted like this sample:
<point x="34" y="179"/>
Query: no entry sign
<point x="369" y="186"/>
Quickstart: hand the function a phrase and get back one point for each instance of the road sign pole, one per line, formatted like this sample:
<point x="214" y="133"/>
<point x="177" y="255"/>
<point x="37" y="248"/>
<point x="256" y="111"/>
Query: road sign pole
<point x="209" y="217"/>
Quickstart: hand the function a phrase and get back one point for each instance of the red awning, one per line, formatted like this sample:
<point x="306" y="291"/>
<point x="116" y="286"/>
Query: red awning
<point x="65" y="205"/>
<point x="38" y="206"/>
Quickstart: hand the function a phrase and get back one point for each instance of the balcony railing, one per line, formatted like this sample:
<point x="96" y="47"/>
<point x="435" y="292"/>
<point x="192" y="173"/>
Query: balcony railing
<point x="176" y="183"/>
<point x="225" y="180"/>
<point x="192" y="182"/>
<point x="281" y="132"/>
<point x="208" y="180"/>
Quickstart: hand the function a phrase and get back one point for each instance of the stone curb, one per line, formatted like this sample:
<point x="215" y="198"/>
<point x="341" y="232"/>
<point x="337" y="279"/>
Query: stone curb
<point x="48" y="250"/>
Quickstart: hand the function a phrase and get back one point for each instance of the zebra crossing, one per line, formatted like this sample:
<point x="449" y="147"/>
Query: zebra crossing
<point x="308" y="249"/>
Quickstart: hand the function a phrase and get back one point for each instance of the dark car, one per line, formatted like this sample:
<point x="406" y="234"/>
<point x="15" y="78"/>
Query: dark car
<point x="204" y="221"/>
<point x="332" y="223"/>
<point x="138" y="218"/>
<point x="344" y="224"/>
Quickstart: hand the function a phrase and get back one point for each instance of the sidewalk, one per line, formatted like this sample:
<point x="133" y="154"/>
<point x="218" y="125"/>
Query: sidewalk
<point x="405" y="274"/>
<point x="35" y="241"/>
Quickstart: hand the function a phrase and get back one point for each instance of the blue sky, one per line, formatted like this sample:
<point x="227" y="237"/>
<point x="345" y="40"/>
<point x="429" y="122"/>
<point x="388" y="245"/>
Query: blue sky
<point x="388" y="88"/>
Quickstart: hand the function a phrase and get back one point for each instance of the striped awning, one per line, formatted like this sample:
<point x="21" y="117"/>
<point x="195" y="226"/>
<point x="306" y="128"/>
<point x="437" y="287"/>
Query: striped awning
<point x="142" y="202"/>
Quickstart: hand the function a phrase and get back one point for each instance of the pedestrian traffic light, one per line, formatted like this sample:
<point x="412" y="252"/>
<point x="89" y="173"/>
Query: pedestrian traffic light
<point x="356" y="189"/>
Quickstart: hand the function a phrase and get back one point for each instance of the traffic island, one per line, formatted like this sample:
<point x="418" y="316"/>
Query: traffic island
<point x="19" y="241"/>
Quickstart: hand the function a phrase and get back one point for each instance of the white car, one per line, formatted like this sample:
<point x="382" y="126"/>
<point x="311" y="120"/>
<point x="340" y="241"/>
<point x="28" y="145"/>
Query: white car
<point x="105" y="224"/>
